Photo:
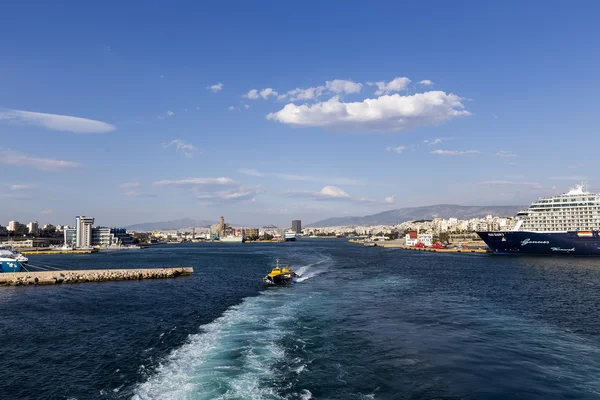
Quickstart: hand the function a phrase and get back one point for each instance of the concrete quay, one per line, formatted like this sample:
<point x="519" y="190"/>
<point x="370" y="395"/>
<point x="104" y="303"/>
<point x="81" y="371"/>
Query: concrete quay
<point x="50" y="251"/>
<point x="92" y="275"/>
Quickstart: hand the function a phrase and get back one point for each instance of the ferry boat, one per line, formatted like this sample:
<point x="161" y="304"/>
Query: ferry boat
<point x="8" y="263"/>
<point x="232" y="239"/>
<point x="7" y="250"/>
<point x="290" y="236"/>
<point x="564" y="224"/>
<point x="279" y="276"/>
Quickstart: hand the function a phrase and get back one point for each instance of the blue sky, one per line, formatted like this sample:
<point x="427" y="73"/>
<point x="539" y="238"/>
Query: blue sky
<point x="267" y="112"/>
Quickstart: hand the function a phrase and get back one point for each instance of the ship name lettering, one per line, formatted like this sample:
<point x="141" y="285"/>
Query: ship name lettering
<point x="529" y="241"/>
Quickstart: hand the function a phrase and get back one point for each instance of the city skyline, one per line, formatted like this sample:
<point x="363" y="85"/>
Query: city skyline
<point x="230" y="111"/>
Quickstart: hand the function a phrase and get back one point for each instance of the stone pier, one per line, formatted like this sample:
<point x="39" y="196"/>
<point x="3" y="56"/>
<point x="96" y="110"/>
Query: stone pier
<point x="92" y="275"/>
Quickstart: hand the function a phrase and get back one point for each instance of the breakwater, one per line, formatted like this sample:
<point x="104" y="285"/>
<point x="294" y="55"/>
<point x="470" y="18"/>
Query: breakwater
<point x="94" y="275"/>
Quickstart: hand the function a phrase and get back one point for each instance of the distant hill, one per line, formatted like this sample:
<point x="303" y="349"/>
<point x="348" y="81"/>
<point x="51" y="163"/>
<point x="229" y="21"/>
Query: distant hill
<point x="415" y="213"/>
<point x="170" y="225"/>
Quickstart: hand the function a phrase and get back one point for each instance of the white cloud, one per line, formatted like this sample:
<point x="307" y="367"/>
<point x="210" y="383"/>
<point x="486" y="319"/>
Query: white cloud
<point x="56" y="122"/>
<point x="246" y="106"/>
<point x="503" y="153"/>
<point x="396" y="85"/>
<point x="426" y="82"/>
<point x="397" y="149"/>
<point x="217" y="87"/>
<point x="190" y="182"/>
<point x="130" y="185"/>
<point x="343" y="86"/>
<point x="231" y="108"/>
<point x="574" y="178"/>
<point x="21" y="187"/>
<point x="385" y="113"/>
<point x="15" y="196"/>
<point x="535" y="185"/>
<point x="305" y="94"/>
<point x="170" y="113"/>
<point x="179" y="144"/>
<point x="234" y="195"/>
<point x="135" y="193"/>
<point x="511" y="163"/>
<point x="265" y="93"/>
<point x="455" y="152"/>
<point x="46" y="212"/>
<point x="293" y="177"/>
<point x="9" y="157"/>
<point x="252" y="94"/>
<point x="249" y="171"/>
<point x="432" y="142"/>
<point x="332" y="191"/>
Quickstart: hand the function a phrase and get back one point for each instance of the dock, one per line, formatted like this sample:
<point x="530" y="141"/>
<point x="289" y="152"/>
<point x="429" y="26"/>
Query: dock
<point x="91" y="275"/>
<point x="49" y="251"/>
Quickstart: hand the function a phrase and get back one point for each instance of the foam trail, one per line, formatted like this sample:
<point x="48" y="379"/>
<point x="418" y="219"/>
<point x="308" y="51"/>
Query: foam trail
<point x="232" y="358"/>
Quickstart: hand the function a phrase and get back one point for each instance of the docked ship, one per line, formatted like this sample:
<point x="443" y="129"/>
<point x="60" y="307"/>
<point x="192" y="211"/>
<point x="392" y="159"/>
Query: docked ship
<point x="12" y="253"/>
<point x="232" y="239"/>
<point x="565" y="224"/>
<point x="290" y="236"/>
<point x="8" y="261"/>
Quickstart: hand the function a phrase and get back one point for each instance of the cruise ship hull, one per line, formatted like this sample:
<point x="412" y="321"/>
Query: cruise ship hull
<point x="546" y="243"/>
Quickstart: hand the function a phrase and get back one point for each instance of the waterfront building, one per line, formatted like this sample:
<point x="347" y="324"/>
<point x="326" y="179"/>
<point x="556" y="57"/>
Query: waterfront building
<point x="297" y="226"/>
<point x="251" y="232"/>
<point x="101" y="236"/>
<point x="411" y="239"/>
<point x="70" y="236"/>
<point x="83" y="231"/>
<point x="121" y="236"/>
<point x="426" y="238"/>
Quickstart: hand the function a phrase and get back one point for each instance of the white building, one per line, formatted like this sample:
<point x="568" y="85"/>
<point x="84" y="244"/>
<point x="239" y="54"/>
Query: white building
<point x="426" y="238"/>
<point x="12" y="225"/>
<point x="33" y="228"/>
<point x="83" y="231"/>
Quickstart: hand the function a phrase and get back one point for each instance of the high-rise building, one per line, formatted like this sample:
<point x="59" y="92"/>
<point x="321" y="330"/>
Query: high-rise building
<point x="222" y="226"/>
<point x="12" y="225"/>
<point x="33" y="228"/>
<point x="83" y="231"/>
<point x="297" y="226"/>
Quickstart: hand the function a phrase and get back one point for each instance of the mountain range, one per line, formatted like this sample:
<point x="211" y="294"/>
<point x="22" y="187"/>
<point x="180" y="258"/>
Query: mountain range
<point x="417" y="213"/>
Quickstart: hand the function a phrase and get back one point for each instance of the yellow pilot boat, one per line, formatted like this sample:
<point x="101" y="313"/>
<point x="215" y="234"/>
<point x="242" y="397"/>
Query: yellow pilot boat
<point x="279" y="276"/>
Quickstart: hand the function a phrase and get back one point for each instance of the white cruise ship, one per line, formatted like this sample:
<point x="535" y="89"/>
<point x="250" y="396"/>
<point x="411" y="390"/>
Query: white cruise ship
<point x="564" y="224"/>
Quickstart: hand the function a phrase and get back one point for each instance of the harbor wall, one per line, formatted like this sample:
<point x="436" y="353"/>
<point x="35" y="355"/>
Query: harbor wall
<point x="93" y="275"/>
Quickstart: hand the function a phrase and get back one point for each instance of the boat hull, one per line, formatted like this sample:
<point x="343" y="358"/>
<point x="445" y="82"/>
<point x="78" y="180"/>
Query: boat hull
<point x="10" y="266"/>
<point x="551" y="243"/>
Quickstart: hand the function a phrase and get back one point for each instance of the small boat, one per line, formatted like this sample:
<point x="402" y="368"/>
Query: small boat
<point x="279" y="276"/>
